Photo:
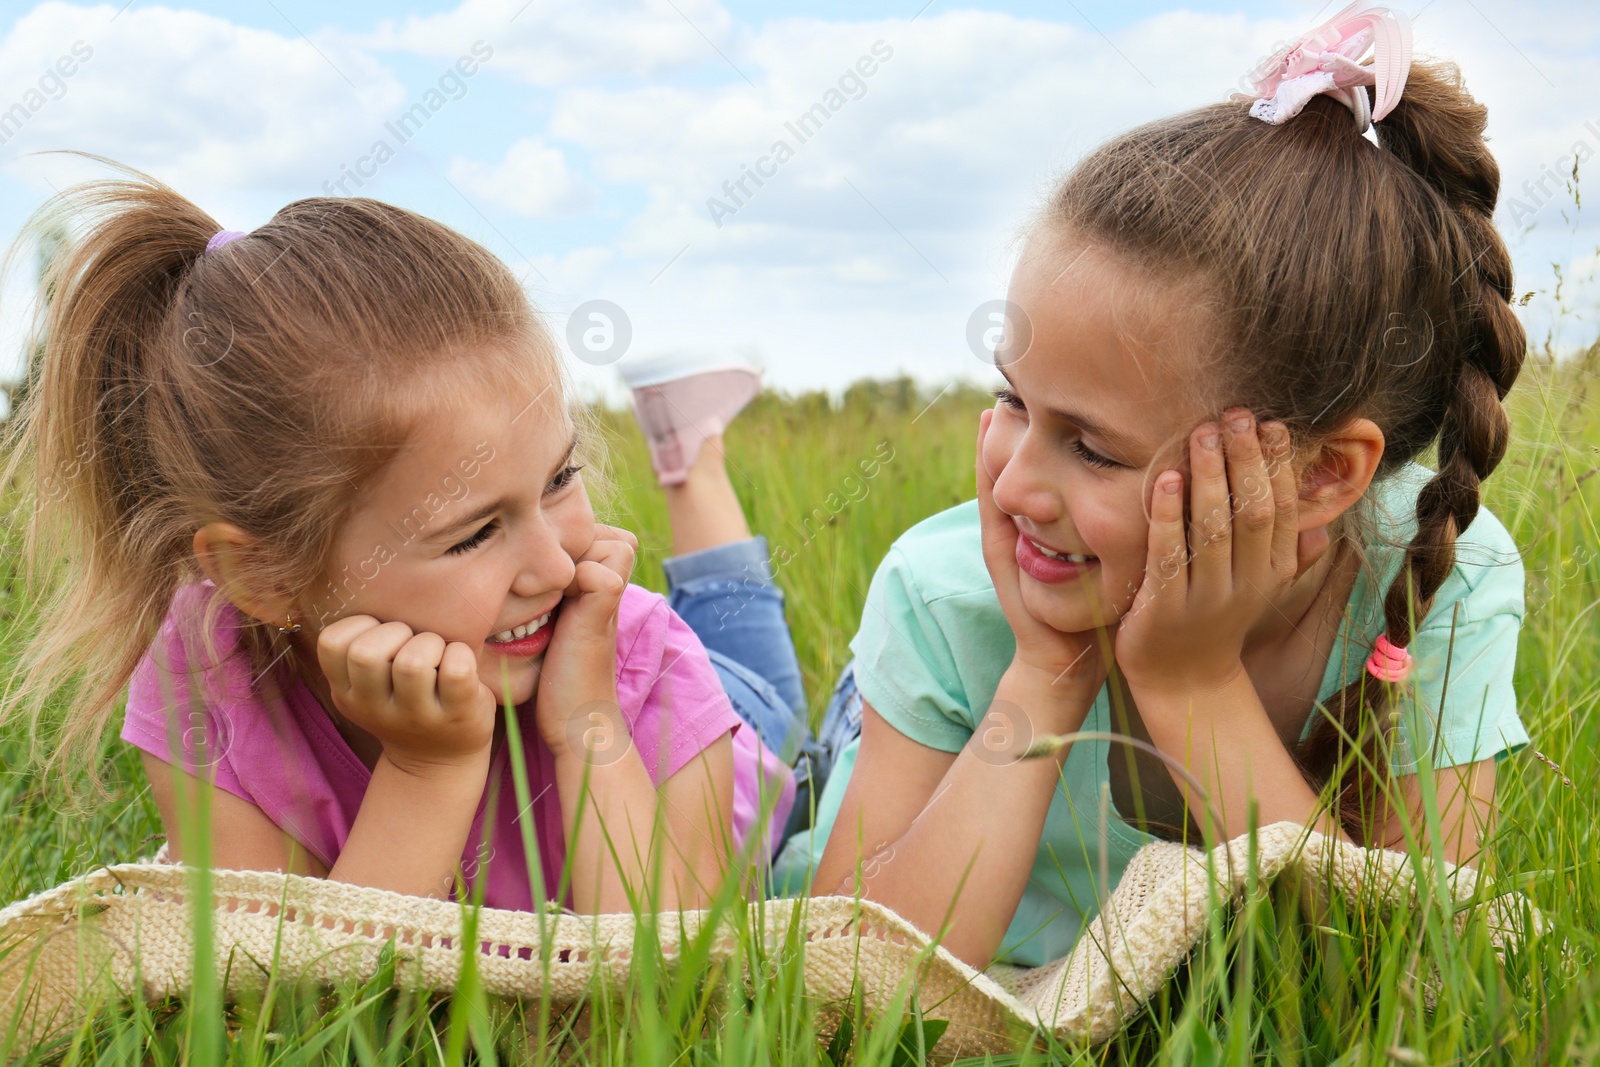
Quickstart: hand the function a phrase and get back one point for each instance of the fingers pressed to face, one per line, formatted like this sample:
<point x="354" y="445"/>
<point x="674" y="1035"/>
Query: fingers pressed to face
<point x="999" y="533"/>
<point x="416" y="670"/>
<point x="595" y="576"/>
<point x="333" y="648"/>
<point x="615" y="533"/>
<point x="987" y="511"/>
<point x="1250" y="490"/>
<point x="1286" y="500"/>
<point x="458" y="676"/>
<point x="371" y="657"/>
<point x="985" y="479"/>
<point x="1167" y="565"/>
<point x="1210" y="517"/>
<point x="613" y="553"/>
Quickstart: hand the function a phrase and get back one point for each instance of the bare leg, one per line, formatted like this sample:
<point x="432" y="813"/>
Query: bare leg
<point x="719" y="577"/>
<point x="703" y="510"/>
<point x="683" y="405"/>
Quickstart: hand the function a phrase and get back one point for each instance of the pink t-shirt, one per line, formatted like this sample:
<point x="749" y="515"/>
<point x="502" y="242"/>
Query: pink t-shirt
<point x="283" y="754"/>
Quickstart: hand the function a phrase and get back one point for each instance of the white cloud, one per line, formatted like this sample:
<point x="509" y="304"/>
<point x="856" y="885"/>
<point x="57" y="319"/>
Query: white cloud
<point x="964" y="121"/>
<point x="533" y="181"/>
<point x="194" y="98"/>
<point x="555" y="42"/>
<point x="871" y="246"/>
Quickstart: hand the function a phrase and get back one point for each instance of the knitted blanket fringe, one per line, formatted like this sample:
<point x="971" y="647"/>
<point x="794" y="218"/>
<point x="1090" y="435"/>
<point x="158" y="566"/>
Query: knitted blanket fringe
<point x="127" y="930"/>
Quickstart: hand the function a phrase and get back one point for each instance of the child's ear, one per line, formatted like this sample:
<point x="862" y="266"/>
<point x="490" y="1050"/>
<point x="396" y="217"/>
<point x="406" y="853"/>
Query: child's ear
<point x="1339" y="473"/>
<point x="222" y="550"/>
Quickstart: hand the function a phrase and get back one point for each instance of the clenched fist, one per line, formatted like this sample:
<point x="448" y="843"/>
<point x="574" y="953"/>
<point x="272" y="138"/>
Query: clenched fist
<point x="418" y="695"/>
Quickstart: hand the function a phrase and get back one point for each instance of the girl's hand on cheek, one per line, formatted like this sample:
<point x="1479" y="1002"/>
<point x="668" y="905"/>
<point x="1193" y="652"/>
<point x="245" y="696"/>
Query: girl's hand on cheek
<point x="1206" y="585"/>
<point x="1042" y="651"/>
<point x="417" y="694"/>
<point x="580" y="666"/>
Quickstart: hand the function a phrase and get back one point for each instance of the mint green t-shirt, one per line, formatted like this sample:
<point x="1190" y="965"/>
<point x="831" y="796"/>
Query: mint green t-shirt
<point x="933" y="644"/>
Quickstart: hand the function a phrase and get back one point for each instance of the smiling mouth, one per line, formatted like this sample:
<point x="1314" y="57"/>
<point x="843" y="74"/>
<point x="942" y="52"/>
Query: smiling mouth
<point x="517" y="633"/>
<point x="1068" y="557"/>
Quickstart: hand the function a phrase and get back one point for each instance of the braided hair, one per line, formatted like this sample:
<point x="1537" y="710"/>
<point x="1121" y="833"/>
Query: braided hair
<point x="1437" y="133"/>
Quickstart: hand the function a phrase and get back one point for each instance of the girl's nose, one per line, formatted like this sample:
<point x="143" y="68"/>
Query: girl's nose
<point x="1023" y="487"/>
<point x="546" y="564"/>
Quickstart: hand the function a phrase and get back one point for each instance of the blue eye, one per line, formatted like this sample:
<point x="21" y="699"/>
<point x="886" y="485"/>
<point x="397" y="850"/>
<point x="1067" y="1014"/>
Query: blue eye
<point x="474" y="541"/>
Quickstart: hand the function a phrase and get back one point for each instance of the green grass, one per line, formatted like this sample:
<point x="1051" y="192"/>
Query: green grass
<point x="1273" y="987"/>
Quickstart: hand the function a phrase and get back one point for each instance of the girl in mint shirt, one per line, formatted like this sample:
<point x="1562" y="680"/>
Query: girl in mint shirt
<point x="1200" y="522"/>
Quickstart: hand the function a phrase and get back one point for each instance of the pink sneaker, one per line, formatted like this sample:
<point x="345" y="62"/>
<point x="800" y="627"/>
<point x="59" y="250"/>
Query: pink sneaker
<point x="680" y="399"/>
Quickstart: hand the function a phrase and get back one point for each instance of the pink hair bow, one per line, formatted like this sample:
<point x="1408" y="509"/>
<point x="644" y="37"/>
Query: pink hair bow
<point x="1328" y="60"/>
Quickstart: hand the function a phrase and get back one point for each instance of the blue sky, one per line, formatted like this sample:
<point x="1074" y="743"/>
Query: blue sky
<point x="589" y="147"/>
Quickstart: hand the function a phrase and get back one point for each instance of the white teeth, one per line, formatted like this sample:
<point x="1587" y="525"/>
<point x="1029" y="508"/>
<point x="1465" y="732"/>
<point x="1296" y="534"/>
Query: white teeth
<point x="1070" y="557"/>
<point x="518" y="632"/>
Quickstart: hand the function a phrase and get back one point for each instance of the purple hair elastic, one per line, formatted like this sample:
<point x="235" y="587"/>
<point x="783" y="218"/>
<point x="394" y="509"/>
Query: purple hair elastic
<point x="221" y="238"/>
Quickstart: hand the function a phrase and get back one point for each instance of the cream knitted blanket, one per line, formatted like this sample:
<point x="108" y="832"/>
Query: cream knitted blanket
<point x="127" y="930"/>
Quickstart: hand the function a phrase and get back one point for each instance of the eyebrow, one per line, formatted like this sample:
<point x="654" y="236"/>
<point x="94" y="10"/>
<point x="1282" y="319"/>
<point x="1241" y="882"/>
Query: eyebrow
<point x="478" y="514"/>
<point x="1115" y="438"/>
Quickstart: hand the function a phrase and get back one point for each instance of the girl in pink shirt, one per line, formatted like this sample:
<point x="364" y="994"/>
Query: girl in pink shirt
<point x="318" y="493"/>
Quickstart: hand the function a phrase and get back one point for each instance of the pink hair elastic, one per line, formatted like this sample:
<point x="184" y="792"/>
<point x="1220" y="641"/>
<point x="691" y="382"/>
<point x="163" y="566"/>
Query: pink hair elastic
<point x="1331" y="60"/>
<point x="222" y="238"/>
<point x="1389" y="662"/>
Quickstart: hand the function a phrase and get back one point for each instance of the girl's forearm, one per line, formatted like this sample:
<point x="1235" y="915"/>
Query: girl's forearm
<point x="1228" y="743"/>
<point x="963" y="862"/>
<point x="411" y="830"/>
<point x="609" y="811"/>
